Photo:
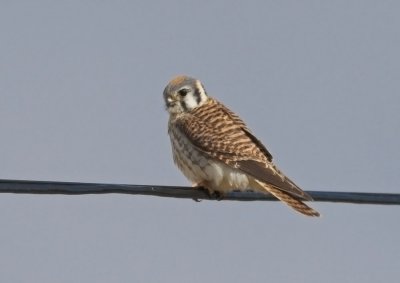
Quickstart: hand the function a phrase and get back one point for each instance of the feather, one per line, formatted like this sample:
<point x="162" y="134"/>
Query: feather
<point x="291" y="201"/>
<point x="220" y="134"/>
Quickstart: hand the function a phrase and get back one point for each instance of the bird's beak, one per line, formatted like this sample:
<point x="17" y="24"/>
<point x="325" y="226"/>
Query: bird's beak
<point x="171" y="100"/>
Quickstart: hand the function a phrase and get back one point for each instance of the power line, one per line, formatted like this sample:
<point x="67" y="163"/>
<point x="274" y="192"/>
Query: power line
<point x="75" y="188"/>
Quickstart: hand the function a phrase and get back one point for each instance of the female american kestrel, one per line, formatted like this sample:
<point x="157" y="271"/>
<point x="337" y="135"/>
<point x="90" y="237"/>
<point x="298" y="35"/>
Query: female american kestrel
<point x="216" y="151"/>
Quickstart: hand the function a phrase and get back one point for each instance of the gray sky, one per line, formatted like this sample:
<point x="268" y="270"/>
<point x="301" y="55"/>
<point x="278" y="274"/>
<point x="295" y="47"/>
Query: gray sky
<point x="81" y="100"/>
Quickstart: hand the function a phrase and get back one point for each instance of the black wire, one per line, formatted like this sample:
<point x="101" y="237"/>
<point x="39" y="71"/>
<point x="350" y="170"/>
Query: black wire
<point x="75" y="188"/>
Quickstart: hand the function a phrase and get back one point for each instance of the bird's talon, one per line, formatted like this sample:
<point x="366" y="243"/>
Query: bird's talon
<point x="219" y="196"/>
<point x="216" y="195"/>
<point x="208" y="192"/>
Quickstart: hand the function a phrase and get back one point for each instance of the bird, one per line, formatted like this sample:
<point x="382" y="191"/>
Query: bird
<point x="216" y="150"/>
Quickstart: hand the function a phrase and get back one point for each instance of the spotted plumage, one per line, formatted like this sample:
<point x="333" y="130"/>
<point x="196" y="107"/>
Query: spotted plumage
<point x="215" y="149"/>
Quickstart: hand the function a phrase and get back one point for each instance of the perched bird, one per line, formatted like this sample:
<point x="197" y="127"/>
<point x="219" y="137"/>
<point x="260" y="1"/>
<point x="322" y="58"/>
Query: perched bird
<point x="216" y="151"/>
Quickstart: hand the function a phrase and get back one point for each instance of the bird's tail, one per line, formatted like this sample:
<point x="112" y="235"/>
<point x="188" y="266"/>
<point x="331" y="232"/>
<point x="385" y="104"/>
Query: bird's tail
<point x="291" y="201"/>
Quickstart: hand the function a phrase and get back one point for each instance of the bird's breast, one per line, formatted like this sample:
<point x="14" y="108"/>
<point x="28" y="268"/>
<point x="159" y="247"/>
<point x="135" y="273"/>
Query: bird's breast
<point x="200" y="168"/>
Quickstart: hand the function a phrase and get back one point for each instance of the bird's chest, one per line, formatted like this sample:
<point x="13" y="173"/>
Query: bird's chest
<point x="199" y="168"/>
<point x="189" y="160"/>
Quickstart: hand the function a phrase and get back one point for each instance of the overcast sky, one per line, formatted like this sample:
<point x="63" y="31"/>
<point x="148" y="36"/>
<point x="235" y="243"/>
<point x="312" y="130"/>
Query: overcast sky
<point x="81" y="100"/>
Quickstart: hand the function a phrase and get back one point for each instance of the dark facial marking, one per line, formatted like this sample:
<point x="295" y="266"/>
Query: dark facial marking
<point x="183" y="105"/>
<point x="197" y="95"/>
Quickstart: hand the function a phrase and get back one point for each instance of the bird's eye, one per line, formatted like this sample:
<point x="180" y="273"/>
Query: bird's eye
<point x="182" y="92"/>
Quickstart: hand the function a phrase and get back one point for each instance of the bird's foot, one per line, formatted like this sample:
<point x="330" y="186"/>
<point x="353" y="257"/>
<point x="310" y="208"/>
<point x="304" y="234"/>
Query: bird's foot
<point x="212" y="194"/>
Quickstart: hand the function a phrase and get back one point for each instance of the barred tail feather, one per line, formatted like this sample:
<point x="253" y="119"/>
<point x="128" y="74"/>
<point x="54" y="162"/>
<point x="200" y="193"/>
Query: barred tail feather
<point x="291" y="201"/>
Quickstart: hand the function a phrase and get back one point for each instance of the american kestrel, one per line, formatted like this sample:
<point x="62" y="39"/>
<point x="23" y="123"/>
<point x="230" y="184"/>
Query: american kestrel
<point x="216" y="151"/>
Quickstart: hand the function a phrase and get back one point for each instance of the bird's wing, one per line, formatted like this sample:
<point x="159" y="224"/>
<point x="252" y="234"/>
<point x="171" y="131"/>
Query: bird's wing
<point x="219" y="133"/>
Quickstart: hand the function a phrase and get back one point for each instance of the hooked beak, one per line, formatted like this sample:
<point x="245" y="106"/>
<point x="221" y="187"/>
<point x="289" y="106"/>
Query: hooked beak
<point x="171" y="100"/>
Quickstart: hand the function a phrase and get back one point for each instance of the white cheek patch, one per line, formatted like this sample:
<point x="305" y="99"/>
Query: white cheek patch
<point x="190" y="101"/>
<point x="203" y="95"/>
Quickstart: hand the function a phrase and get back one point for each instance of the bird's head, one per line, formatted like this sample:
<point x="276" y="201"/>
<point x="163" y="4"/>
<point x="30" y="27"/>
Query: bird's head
<point x="183" y="94"/>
